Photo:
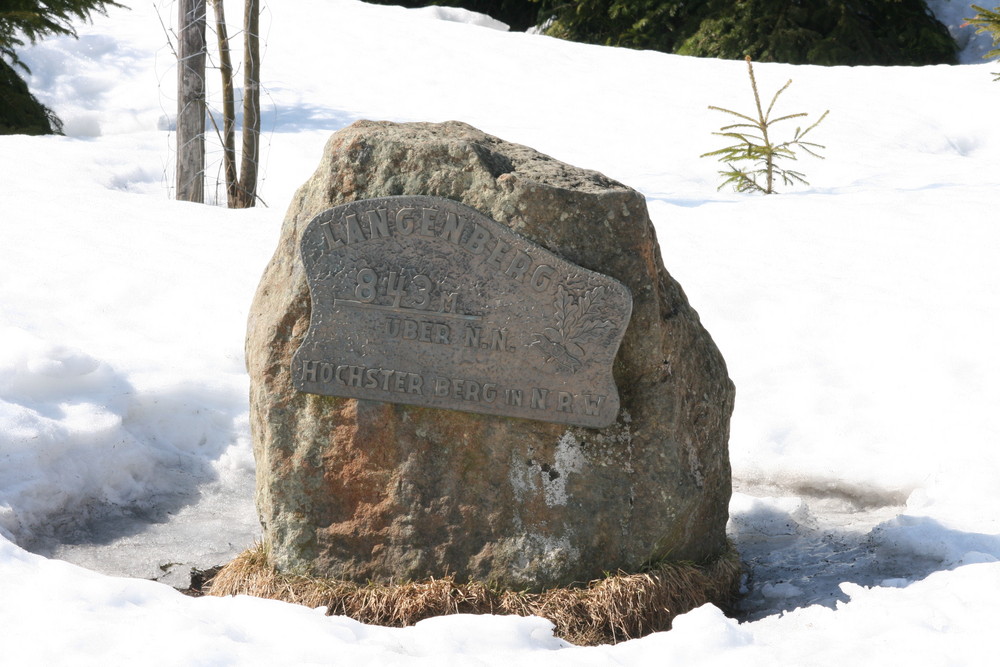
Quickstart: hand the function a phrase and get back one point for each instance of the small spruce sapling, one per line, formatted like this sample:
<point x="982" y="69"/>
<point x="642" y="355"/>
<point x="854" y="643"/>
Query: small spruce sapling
<point x="755" y="145"/>
<point x="987" y="21"/>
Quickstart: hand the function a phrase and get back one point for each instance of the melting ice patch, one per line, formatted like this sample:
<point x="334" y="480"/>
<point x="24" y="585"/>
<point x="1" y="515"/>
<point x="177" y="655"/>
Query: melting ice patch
<point x="78" y="441"/>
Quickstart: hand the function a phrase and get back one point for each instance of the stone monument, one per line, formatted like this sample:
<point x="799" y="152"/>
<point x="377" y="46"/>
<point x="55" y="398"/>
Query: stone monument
<point x="467" y="359"/>
<point x="424" y="301"/>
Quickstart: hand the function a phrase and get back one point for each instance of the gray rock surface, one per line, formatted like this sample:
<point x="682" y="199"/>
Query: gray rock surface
<point x="365" y="490"/>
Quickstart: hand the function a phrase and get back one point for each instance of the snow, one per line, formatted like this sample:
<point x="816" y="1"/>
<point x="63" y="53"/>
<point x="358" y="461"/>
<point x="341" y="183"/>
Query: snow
<point x="858" y="316"/>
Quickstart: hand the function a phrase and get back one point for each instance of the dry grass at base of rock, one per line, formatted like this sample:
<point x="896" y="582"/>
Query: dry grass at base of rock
<point x="619" y="607"/>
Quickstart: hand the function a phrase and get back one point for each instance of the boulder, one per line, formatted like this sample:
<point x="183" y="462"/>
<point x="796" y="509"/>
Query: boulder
<point x="364" y="490"/>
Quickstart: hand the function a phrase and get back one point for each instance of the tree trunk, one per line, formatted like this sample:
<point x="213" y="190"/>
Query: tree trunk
<point x="251" y="104"/>
<point x="228" y="108"/>
<point x="191" y="101"/>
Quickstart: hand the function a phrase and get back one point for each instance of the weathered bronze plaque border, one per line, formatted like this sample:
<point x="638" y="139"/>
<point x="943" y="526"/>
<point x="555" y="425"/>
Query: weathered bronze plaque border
<point x="425" y="301"/>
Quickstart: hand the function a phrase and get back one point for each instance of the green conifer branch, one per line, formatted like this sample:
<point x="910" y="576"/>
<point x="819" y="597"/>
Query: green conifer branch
<point x="988" y="22"/>
<point x="737" y="114"/>
<point x="774" y="99"/>
<point x="791" y="115"/>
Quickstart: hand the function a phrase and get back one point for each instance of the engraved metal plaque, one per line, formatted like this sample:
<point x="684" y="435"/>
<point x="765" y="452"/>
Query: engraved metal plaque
<point x="425" y="301"/>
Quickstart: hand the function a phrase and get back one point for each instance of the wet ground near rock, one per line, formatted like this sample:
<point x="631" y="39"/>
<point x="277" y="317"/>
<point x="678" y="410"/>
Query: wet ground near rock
<point x="798" y="546"/>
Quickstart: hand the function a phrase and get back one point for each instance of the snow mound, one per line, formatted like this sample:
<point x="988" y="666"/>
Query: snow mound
<point x="78" y="441"/>
<point x="460" y="15"/>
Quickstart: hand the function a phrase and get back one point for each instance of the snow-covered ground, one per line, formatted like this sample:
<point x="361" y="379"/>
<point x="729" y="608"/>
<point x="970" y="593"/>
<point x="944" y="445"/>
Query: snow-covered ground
<point x="859" y="317"/>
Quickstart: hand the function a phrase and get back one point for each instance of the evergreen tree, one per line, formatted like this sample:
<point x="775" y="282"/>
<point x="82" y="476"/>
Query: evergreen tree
<point x="757" y="145"/>
<point x="32" y="20"/>
<point x="641" y="24"/>
<point x="821" y="32"/>
<point x="20" y="112"/>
